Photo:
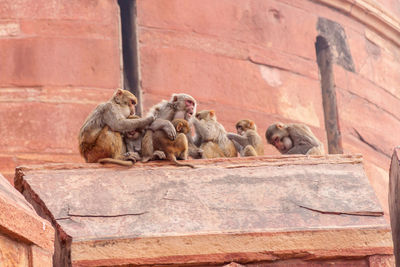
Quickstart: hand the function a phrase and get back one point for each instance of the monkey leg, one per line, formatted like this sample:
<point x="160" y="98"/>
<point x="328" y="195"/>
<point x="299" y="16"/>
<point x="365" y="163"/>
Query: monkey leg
<point x="230" y="150"/>
<point x="212" y="150"/>
<point x="108" y="145"/>
<point x="147" y="146"/>
<point x="249" y="151"/>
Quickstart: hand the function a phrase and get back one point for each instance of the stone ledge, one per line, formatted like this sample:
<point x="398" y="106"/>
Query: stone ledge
<point x="19" y="220"/>
<point x="269" y="208"/>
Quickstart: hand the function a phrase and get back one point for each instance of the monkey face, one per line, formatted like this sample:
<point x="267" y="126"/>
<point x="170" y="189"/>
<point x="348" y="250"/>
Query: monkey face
<point x="181" y="126"/>
<point x="282" y="144"/>
<point x="243" y="125"/>
<point x="133" y="135"/>
<point x="127" y="100"/>
<point x="185" y="103"/>
<point x="206" y="115"/>
<point x="190" y="106"/>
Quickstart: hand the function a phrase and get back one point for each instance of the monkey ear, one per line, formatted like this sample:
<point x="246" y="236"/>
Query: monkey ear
<point x="280" y="125"/>
<point x="179" y="126"/>
<point x="119" y="91"/>
<point x="251" y="124"/>
<point x="174" y="98"/>
<point x="212" y="113"/>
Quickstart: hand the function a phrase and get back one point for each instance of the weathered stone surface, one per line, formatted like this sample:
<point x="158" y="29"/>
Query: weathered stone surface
<point x="381" y="261"/>
<point x="25" y="238"/>
<point x="20" y="221"/>
<point x="239" y="210"/>
<point x="13" y="253"/>
<point x="394" y="202"/>
<point x="40" y="257"/>
<point x="43" y="61"/>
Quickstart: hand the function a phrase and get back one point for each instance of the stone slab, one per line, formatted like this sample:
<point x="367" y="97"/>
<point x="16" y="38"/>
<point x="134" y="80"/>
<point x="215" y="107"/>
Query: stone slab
<point x="226" y="210"/>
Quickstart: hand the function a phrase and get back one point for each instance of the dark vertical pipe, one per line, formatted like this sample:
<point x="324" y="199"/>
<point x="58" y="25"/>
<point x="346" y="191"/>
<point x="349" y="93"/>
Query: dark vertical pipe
<point x="325" y="64"/>
<point x="130" y="49"/>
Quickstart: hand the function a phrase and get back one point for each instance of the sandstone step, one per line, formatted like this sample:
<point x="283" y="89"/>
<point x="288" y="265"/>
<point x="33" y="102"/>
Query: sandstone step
<point x="244" y="210"/>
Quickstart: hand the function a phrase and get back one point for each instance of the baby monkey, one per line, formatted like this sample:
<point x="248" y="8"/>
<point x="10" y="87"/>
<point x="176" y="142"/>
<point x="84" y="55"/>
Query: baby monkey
<point x="133" y="141"/>
<point x="177" y="148"/>
<point x="294" y="138"/>
<point x="248" y="142"/>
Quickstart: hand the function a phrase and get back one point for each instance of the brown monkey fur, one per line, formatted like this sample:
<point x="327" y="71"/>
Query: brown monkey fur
<point x="294" y="138"/>
<point x="180" y="106"/>
<point x="173" y="149"/>
<point x="100" y="138"/>
<point x="248" y="142"/>
<point x="211" y="136"/>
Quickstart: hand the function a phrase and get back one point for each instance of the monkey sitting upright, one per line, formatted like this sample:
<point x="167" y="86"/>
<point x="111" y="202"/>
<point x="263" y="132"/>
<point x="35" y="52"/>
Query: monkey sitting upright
<point x="248" y="142"/>
<point x="293" y="138"/>
<point x="211" y="136"/>
<point x="173" y="149"/>
<point x="100" y="138"/>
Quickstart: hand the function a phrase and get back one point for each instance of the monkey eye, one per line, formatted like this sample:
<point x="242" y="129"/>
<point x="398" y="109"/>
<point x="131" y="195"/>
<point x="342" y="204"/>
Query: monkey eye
<point x="239" y="128"/>
<point x="133" y="102"/>
<point x="276" y="139"/>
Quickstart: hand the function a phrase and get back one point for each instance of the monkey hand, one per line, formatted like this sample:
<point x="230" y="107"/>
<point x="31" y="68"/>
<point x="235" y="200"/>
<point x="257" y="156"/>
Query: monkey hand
<point x="151" y="118"/>
<point x="170" y="131"/>
<point x="133" y="156"/>
<point x="164" y="125"/>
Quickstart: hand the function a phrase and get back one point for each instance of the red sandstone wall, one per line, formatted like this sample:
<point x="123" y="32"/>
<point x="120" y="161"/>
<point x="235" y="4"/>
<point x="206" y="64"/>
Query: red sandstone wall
<point x="59" y="58"/>
<point x="243" y="58"/>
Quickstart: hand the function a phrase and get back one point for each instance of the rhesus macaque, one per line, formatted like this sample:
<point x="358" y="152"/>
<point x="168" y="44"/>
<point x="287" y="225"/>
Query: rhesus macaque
<point x="100" y="138"/>
<point x="173" y="149"/>
<point x="180" y="106"/>
<point x="294" y="138"/>
<point x="248" y="142"/>
<point x="133" y="141"/>
<point x="211" y="136"/>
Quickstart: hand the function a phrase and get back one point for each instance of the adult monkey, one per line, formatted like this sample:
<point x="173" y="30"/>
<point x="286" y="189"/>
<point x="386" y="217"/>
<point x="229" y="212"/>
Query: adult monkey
<point x="100" y="138"/>
<point x="180" y="106"/>
<point x="294" y="138"/>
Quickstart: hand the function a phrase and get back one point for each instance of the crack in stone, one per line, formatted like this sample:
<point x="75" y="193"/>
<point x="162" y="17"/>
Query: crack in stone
<point x="359" y="136"/>
<point x="352" y="213"/>
<point x="70" y="215"/>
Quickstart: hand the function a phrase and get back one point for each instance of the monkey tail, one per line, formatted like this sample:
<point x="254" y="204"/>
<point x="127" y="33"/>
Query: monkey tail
<point x="127" y="163"/>
<point x="173" y="159"/>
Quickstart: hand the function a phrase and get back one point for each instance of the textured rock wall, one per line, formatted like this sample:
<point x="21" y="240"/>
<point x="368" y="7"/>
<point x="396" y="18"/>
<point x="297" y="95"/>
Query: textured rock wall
<point x="59" y="58"/>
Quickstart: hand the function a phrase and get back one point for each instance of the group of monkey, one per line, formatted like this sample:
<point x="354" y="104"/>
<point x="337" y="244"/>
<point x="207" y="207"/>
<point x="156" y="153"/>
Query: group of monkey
<point x="112" y="133"/>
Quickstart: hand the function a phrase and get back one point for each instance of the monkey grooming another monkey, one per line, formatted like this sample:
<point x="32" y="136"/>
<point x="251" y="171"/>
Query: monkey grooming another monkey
<point x="100" y="138"/>
<point x="248" y="142"/>
<point x="211" y="136"/>
<point x="180" y="106"/>
<point x="173" y="149"/>
<point x="294" y="138"/>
